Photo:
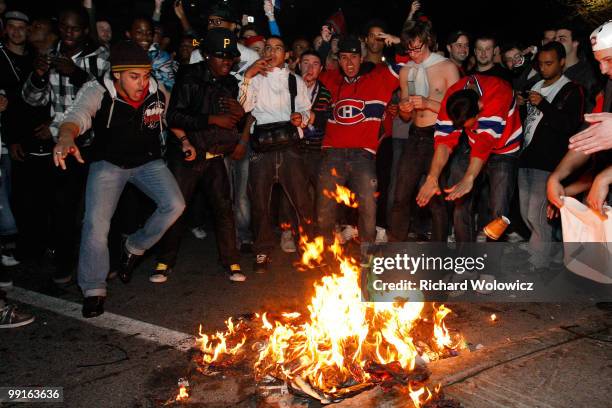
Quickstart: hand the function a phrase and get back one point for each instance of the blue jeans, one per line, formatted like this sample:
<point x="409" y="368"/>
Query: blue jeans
<point x="500" y="170"/>
<point x="356" y="169"/>
<point x="7" y="221"/>
<point x="533" y="201"/>
<point x="239" y="178"/>
<point x="104" y="186"/>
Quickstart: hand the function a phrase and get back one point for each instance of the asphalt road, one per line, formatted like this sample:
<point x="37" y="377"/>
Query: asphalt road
<point x="136" y="354"/>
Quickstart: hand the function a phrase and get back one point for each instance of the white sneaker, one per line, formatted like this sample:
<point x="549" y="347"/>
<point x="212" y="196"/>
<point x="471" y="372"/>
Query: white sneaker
<point x="515" y="237"/>
<point x="9" y="260"/>
<point x="486" y="278"/>
<point x="349" y="233"/>
<point x="287" y="243"/>
<point x="199" y="232"/>
<point x="381" y="235"/>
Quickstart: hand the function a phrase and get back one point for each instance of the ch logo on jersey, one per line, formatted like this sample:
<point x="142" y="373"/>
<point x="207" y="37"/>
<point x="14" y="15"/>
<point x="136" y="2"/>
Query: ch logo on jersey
<point x="349" y="111"/>
<point x="153" y="114"/>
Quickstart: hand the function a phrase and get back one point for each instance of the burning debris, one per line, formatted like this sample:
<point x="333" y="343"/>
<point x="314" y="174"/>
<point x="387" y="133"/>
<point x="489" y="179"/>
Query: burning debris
<point x="342" y="195"/>
<point x="183" y="395"/>
<point x="343" y="346"/>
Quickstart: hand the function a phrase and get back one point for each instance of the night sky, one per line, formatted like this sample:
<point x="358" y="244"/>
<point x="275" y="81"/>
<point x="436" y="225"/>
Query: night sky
<point x="514" y="20"/>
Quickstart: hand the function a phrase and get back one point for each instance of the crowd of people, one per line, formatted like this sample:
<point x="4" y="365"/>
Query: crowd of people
<point x="111" y="146"/>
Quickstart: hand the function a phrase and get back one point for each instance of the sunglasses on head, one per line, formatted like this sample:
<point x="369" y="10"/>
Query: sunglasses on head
<point x="216" y="21"/>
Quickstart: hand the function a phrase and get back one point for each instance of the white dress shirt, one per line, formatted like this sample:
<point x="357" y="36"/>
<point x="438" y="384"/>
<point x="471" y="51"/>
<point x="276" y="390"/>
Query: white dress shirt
<point x="268" y="98"/>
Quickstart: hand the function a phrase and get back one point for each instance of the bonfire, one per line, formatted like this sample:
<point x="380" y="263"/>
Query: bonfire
<point x="342" y="345"/>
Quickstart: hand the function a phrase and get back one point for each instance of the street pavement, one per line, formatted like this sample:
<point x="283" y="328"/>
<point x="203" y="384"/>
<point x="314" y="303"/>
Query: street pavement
<point x="534" y="355"/>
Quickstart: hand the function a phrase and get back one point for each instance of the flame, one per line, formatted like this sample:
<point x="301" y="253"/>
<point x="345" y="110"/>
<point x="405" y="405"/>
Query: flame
<point x="333" y="343"/>
<point x="441" y="335"/>
<point x="342" y="195"/>
<point x="334" y="172"/>
<point x="420" y="396"/>
<point x="183" y="394"/>
<point x="341" y="334"/>
<point x="215" y="346"/>
<point x="285" y="226"/>
<point x="312" y="251"/>
<point x="493" y="317"/>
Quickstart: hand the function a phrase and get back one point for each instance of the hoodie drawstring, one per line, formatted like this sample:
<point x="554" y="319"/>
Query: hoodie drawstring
<point x="110" y="115"/>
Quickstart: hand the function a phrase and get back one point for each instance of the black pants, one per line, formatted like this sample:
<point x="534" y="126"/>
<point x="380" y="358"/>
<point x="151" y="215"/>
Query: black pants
<point x="33" y="191"/>
<point x="312" y="163"/>
<point x="287" y="168"/>
<point x="68" y="207"/>
<point x="415" y="162"/>
<point x="213" y="176"/>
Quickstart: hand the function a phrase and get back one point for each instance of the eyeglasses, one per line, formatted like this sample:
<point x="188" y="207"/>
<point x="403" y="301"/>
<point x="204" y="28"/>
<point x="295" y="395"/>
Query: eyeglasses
<point x="216" y="21"/>
<point x="415" y="49"/>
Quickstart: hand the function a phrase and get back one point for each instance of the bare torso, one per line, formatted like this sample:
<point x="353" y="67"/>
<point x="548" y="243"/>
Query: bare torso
<point x="440" y="77"/>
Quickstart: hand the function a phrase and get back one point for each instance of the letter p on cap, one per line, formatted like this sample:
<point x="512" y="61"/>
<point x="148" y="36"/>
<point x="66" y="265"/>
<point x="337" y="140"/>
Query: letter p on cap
<point x="226" y="42"/>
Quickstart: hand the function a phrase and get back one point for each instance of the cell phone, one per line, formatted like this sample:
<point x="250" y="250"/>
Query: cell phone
<point x="250" y="19"/>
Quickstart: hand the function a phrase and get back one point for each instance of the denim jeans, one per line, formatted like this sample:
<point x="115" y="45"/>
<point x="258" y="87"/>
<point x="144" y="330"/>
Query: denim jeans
<point x="7" y="220"/>
<point x="239" y="178"/>
<point x="533" y="202"/>
<point x="312" y="163"/>
<point x="104" y="186"/>
<point x="500" y="170"/>
<point x="285" y="167"/>
<point x="356" y="169"/>
<point x="414" y="163"/>
<point x="215" y="181"/>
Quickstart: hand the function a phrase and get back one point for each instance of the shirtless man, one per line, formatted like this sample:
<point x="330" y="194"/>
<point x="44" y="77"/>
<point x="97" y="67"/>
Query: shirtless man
<point x="423" y="83"/>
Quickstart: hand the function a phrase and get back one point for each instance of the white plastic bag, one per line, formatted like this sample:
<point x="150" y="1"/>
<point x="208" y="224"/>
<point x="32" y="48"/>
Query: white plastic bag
<point x="582" y="225"/>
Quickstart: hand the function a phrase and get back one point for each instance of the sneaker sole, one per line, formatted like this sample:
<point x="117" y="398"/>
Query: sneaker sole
<point x="6" y="285"/>
<point x="62" y="281"/>
<point x="158" y="278"/>
<point x="10" y="263"/>
<point x="241" y="278"/>
<point x="13" y="325"/>
<point x="289" y="250"/>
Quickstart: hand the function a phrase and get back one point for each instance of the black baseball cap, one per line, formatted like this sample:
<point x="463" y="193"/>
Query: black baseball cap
<point x="223" y="10"/>
<point x="220" y="42"/>
<point x="349" y="44"/>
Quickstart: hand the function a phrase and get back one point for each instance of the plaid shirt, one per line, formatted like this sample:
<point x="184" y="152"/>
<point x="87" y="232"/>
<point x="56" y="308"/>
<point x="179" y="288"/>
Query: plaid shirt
<point x="164" y="68"/>
<point x="60" y="90"/>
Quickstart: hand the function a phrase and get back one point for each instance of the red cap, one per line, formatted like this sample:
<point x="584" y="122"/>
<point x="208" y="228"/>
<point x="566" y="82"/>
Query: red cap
<point x="253" y="39"/>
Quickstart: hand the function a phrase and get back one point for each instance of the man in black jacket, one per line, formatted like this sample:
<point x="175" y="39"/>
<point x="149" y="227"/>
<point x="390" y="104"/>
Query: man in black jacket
<point x="126" y="114"/>
<point x="204" y="113"/>
<point x="554" y="112"/>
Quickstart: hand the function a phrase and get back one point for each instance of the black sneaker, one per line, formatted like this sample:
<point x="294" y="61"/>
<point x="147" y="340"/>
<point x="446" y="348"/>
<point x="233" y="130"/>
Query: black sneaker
<point x="5" y="279"/>
<point x="261" y="263"/>
<point x="93" y="306"/>
<point x="11" y="318"/>
<point x="246" y="247"/>
<point x="61" y="277"/>
<point x="160" y="273"/>
<point x="126" y="266"/>
<point x="235" y="273"/>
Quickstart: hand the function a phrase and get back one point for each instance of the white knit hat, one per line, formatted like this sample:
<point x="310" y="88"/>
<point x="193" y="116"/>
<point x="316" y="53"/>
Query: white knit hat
<point x="601" y="38"/>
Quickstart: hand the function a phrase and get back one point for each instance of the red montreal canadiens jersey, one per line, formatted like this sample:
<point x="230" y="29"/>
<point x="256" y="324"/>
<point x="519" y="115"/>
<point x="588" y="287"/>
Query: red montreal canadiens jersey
<point x="498" y="129"/>
<point x="358" y="106"/>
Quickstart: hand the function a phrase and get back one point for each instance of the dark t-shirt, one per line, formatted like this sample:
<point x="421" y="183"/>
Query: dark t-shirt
<point x="496" y="71"/>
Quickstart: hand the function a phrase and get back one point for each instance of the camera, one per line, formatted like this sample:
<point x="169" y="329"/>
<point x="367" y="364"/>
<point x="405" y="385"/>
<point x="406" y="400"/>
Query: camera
<point x="251" y="19"/>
